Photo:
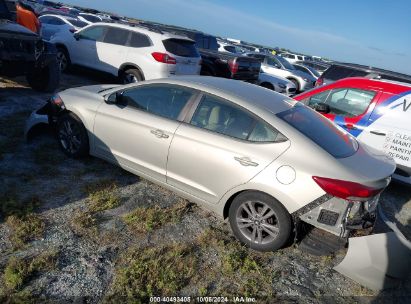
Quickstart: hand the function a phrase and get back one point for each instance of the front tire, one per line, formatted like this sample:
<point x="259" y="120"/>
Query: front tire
<point x="260" y="221"/>
<point x="72" y="136"/>
<point x="297" y="85"/>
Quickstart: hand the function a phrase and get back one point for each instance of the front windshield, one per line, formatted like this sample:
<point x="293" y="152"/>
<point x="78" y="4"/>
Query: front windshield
<point x="314" y="71"/>
<point x="285" y="63"/>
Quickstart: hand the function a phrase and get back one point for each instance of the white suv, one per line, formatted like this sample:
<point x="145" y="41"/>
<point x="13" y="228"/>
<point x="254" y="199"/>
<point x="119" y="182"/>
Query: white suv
<point x="129" y="52"/>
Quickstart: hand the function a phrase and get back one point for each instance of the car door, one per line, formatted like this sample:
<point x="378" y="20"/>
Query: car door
<point x="350" y="108"/>
<point x="135" y="127"/>
<point x="220" y="147"/>
<point x="112" y="51"/>
<point x="83" y="50"/>
<point x="389" y="127"/>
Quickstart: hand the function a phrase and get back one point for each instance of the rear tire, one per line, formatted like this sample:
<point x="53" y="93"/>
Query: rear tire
<point x="46" y="79"/>
<point x="72" y="136"/>
<point x="260" y="221"/>
<point x="131" y="76"/>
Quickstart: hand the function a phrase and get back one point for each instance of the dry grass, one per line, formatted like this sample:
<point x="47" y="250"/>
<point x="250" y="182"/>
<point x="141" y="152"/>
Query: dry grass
<point x="145" y="219"/>
<point x="24" y="229"/>
<point x="19" y="272"/>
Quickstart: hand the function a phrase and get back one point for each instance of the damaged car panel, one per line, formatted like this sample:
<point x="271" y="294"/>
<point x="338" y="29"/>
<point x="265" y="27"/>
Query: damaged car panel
<point x="249" y="154"/>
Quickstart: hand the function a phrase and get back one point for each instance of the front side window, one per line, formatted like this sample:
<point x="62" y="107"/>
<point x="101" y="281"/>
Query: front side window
<point x="320" y="130"/>
<point x="344" y="101"/>
<point x="273" y="62"/>
<point x="215" y="114"/>
<point x="166" y="101"/>
<point x="95" y="33"/>
<point x="116" y="36"/>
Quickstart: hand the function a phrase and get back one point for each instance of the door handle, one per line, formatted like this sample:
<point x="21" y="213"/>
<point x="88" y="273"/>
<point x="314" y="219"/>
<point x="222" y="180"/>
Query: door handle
<point x="378" y="133"/>
<point x="245" y="161"/>
<point x="159" y="133"/>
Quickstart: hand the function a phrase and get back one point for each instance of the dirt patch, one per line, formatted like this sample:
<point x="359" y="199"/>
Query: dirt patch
<point x="85" y="230"/>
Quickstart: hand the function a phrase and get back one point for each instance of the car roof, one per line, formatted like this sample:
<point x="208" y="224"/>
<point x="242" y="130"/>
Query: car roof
<point x="384" y="85"/>
<point x="250" y="95"/>
<point x="141" y="29"/>
<point x="69" y="18"/>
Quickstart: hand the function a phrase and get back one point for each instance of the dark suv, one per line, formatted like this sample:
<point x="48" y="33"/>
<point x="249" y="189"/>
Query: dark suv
<point x="23" y="52"/>
<point x="339" y="71"/>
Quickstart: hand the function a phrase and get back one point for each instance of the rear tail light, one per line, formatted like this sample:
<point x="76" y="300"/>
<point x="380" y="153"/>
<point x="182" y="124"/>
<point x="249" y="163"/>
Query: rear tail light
<point x="57" y="101"/>
<point x="346" y="190"/>
<point x="233" y="65"/>
<point x="72" y="30"/>
<point x="319" y="82"/>
<point x="163" y="58"/>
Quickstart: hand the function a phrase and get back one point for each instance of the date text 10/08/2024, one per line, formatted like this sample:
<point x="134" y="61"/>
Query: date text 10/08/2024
<point x="205" y="299"/>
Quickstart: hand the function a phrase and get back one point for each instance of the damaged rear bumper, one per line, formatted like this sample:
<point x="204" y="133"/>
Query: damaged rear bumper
<point x="338" y="216"/>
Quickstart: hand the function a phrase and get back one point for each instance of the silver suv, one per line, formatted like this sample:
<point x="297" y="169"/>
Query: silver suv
<point x="131" y="53"/>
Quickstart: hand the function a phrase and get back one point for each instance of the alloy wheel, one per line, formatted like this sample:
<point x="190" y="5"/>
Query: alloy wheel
<point x="257" y="222"/>
<point x="70" y="136"/>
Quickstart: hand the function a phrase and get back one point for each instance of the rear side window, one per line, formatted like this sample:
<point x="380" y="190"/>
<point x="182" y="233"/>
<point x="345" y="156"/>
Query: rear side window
<point x="116" y="36"/>
<point x="91" y="18"/>
<point x="138" y="40"/>
<point x="339" y="72"/>
<point x="56" y="21"/>
<point x="181" y="47"/>
<point x="320" y="130"/>
<point x="349" y="102"/>
<point x="217" y="115"/>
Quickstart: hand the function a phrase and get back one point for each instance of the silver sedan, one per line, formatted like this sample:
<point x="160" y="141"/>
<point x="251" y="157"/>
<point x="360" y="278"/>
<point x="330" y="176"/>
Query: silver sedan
<point x="256" y="157"/>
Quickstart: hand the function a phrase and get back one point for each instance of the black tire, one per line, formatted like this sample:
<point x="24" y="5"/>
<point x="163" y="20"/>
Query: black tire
<point x="63" y="59"/>
<point x="131" y="76"/>
<point x="267" y="85"/>
<point x="46" y="79"/>
<point x="74" y="144"/>
<point x="275" y="230"/>
<point x="297" y="85"/>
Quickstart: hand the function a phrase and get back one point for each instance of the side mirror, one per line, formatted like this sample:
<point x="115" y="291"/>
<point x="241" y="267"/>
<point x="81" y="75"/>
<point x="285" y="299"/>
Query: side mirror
<point x="76" y="36"/>
<point x="322" y="108"/>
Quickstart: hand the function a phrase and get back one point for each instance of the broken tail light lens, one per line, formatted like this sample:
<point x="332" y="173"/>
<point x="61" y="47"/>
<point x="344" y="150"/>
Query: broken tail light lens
<point x="346" y="190"/>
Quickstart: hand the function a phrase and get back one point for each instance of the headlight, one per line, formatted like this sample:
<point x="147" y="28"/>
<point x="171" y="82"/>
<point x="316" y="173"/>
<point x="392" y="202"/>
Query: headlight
<point x="282" y="85"/>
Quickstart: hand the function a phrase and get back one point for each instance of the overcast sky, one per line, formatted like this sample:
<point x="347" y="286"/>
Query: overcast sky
<point x="370" y="32"/>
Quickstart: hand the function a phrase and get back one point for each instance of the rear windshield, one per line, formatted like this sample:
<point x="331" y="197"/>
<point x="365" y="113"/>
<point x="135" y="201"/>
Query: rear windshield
<point x="339" y="72"/>
<point x="181" y="47"/>
<point x="320" y="130"/>
<point x="77" y="23"/>
<point x="91" y="18"/>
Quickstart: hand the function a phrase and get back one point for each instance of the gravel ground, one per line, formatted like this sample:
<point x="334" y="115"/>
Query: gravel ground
<point x="87" y="260"/>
